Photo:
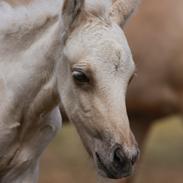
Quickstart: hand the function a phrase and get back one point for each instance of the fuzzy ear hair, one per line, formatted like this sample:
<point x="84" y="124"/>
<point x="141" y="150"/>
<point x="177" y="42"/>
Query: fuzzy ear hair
<point x="71" y="9"/>
<point x="121" y="10"/>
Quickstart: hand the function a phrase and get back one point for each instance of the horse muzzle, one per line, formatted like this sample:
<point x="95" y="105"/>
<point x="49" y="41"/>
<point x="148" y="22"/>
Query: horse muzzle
<point x="119" y="165"/>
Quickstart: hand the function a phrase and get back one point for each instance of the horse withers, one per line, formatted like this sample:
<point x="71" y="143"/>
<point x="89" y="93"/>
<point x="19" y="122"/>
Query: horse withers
<point x="78" y="57"/>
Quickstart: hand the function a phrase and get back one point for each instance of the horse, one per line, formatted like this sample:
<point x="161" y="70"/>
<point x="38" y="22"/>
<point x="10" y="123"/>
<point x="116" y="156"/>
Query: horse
<point x="155" y="37"/>
<point x="73" y="53"/>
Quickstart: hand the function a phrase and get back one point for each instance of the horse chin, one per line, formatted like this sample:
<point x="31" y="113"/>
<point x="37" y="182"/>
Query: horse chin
<point x="108" y="173"/>
<point x="103" y="171"/>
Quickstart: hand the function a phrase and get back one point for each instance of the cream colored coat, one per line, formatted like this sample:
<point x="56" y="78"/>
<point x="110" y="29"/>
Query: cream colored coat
<point x="37" y="44"/>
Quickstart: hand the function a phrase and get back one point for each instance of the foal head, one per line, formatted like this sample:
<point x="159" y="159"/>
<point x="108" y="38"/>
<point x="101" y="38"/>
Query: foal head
<point x="92" y="80"/>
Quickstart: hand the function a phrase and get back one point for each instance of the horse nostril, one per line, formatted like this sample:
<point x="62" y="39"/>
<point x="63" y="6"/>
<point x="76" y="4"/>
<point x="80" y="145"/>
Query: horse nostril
<point x="122" y="165"/>
<point x="120" y="161"/>
<point x="118" y="165"/>
<point x="119" y="158"/>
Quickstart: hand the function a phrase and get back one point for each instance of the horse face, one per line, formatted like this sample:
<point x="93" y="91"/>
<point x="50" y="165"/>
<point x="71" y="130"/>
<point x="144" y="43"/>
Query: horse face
<point x="93" y="77"/>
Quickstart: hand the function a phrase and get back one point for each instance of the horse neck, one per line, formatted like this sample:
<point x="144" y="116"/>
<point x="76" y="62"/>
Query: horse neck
<point x="21" y="27"/>
<point x="35" y="50"/>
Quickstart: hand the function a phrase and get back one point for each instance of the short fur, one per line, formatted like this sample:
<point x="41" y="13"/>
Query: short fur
<point x="40" y="52"/>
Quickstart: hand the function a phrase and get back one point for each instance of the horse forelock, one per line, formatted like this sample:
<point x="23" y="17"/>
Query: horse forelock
<point x="98" y="8"/>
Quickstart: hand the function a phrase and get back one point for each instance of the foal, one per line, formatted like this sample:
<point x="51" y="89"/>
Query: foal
<point x="78" y="57"/>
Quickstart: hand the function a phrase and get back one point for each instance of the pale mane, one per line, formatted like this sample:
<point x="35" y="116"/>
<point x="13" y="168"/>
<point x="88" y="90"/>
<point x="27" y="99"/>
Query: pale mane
<point x="26" y="17"/>
<point x="13" y="19"/>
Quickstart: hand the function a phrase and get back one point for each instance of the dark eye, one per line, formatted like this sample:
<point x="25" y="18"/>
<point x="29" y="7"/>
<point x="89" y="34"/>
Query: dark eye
<point x="79" y="76"/>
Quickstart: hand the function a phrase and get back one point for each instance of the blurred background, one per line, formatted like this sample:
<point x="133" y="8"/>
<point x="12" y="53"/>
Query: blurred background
<point x="66" y="161"/>
<point x="155" y="34"/>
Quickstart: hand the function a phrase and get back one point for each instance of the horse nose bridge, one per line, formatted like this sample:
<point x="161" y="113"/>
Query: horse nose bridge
<point x="119" y="120"/>
<point x="122" y="133"/>
<point x="112" y="118"/>
<point x="126" y="138"/>
<point x="118" y="112"/>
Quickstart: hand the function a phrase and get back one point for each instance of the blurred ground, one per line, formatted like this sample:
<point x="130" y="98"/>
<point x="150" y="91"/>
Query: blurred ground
<point x="67" y="162"/>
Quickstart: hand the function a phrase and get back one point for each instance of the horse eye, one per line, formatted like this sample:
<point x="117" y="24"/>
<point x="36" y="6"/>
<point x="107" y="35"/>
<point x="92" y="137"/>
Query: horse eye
<point x="79" y="76"/>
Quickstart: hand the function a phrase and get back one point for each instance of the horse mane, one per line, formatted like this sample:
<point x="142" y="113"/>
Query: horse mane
<point x="27" y="17"/>
<point x="24" y="18"/>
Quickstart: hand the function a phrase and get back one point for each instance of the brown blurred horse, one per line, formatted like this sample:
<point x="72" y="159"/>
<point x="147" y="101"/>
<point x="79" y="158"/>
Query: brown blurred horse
<point x="155" y="35"/>
<point x="156" y="38"/>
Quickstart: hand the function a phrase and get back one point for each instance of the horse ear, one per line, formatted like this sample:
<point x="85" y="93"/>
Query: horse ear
<point x="121" y="10"/>
<point x="70" y="11"/>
